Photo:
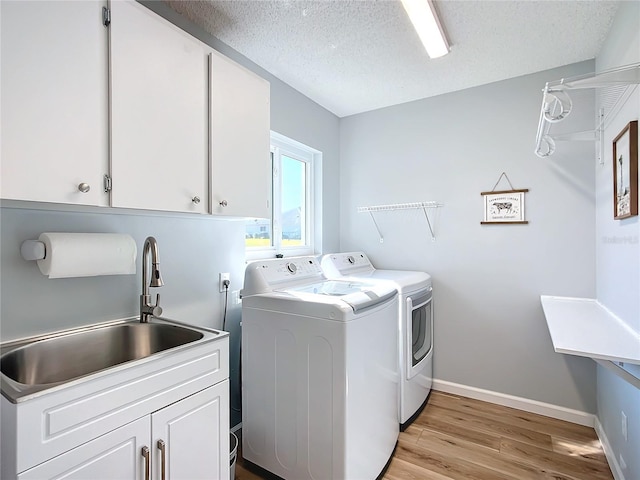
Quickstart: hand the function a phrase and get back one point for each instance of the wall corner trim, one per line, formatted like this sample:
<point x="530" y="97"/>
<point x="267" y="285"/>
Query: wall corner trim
<point x="608" y="451"/>
<point x="521" y="403"/>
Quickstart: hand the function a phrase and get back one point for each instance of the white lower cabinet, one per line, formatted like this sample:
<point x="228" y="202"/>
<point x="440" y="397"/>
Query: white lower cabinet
<point x="172" y="409"/>
<point x="184" y="441"/>
<point x="194" y="435"/>
<point x="114" y="456"/>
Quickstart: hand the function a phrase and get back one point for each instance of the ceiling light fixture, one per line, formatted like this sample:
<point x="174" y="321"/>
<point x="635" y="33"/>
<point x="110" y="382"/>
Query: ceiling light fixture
<point x="422" y="14"/>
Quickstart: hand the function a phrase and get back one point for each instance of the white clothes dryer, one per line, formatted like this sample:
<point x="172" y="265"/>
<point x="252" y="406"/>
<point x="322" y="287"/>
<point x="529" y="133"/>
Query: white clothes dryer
<point x="319" y="372"/>
<point x="415" y="324"/>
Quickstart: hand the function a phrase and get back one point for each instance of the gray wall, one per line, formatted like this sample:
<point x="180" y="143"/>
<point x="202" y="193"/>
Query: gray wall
<point x="193" y="249"/>
<point x="490" y="331"/>
<point x="618" y="253"/>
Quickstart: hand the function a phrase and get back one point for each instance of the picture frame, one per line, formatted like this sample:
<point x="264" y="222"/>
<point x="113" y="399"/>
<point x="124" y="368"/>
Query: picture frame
<point x="504" y="207"/>
<point x="625" y="172"/>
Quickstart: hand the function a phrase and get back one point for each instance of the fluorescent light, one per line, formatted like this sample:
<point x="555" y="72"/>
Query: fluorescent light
<point x="423" y="15"/>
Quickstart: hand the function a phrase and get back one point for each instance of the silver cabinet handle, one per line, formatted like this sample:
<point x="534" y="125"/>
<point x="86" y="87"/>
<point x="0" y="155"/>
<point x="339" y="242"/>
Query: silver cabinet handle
<point x="84" y="187"/>
<point x="147" y="463"/>
<point x="224" y="203"/>
<point x="196" y="200"/>
<point x="162" y="448"/>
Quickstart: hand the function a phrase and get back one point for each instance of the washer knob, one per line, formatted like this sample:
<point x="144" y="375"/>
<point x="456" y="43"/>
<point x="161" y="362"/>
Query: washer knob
<point x="292" y="267"/>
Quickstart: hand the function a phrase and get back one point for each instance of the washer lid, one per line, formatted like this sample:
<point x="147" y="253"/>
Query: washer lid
<point x="334" y="288"/>
<point x="358" y="295"/>
<point x="405" y="280"/>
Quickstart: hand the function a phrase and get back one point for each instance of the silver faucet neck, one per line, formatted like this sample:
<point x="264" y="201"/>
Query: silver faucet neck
<point x="146" y="308"/>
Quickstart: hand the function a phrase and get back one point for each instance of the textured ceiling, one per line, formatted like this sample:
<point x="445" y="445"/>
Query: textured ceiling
<point x="355" y="56"/>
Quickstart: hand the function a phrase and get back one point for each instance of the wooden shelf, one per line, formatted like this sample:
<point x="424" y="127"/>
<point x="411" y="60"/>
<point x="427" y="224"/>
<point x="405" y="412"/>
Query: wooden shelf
<point x="584" y="327"/>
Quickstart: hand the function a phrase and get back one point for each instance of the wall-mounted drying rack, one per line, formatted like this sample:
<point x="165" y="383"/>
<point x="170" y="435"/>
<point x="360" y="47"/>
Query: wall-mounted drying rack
<point x="424" y="206"/>
<point x="616" y="86"/>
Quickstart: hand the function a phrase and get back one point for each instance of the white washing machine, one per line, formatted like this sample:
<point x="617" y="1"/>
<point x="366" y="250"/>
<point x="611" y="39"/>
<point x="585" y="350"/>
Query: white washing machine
<point x="415" y="324"/>
<point x="319" y="372"/>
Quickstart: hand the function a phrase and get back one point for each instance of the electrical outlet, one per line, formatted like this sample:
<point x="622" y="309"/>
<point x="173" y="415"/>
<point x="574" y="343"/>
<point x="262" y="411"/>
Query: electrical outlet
<point x="223" y="277"/>
<point x="624" y="426"/>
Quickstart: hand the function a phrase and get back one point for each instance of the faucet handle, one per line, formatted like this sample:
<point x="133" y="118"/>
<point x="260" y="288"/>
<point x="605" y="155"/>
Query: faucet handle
<point x="156" y="310"/>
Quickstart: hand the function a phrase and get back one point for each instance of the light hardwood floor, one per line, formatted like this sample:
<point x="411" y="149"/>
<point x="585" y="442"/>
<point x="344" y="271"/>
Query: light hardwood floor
<point x="460" y="438"/>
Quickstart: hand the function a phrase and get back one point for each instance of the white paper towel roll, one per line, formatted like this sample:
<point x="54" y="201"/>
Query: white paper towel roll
<point x="87" y="254"/>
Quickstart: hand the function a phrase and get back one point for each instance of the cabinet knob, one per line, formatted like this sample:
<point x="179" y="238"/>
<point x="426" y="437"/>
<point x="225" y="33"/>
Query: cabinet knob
<point x="196" y="200"/>
<point x="224" y="203"/>
<point x="84" y="187"/>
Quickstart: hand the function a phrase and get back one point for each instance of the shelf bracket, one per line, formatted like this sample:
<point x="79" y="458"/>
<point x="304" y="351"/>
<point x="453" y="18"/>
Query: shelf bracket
<point x="377" y="227"/>
<point x="621" y="372"/>
<point x="426" y="215"/>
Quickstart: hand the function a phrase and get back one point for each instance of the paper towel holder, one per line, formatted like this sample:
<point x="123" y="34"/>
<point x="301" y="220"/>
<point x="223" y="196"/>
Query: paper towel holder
<point x="33" y="250"/>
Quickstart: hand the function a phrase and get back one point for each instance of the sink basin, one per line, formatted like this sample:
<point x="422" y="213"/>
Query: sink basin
<point x="63" y="358"/>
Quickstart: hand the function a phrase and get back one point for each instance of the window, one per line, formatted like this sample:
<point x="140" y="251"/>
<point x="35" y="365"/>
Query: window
<point x="289" y="231"/>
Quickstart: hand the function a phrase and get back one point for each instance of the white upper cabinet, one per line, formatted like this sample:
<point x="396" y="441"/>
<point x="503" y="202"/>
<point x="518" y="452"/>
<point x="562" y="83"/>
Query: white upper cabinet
<point x="159" y="113"/>
<point x="173" y="125"/>
<point x="240" y="119"/>
<point x="54" y="109"/>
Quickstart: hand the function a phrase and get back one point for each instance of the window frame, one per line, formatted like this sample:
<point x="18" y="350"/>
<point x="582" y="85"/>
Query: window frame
<point x="279" y="146"/>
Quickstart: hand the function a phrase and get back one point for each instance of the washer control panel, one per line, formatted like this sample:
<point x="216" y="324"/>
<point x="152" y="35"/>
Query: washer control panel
<point x="282" y="270"/>
<point x="338" y="264"/>
<point x="292" y="267"/>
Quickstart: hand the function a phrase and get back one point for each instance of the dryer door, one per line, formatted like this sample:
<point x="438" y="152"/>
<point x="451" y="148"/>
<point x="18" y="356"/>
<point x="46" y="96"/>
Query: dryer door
<point x="419" y="318"/>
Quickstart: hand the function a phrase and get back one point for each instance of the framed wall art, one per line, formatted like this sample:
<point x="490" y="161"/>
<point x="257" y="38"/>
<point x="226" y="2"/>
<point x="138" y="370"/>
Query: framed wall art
<point x="625" y="172"/>
<point x="504" y="206"/>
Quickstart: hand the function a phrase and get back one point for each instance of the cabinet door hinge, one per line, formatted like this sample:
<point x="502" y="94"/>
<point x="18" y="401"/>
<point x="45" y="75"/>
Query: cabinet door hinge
<point x="106" y="16"/>
<point x="107" y="184"/>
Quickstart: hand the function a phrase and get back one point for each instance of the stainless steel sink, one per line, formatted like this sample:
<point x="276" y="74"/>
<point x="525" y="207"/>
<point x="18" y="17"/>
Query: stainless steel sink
<point x="66" y="357"/>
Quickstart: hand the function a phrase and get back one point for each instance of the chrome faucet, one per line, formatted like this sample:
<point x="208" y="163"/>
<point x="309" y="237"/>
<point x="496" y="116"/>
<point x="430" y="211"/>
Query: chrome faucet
<point x="147" y="309"/>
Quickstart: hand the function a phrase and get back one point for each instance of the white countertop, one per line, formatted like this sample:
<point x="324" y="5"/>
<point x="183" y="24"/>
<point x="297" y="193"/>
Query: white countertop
<point x="584" y="327"/>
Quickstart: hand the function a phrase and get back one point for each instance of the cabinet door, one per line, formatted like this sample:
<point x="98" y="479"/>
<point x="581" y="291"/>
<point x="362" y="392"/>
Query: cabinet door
<point x="195" y="432"/>
<point x="240" y="119"/>
<point x="115" y="456"/>
<point x="54" y="105"/>
<point x="159" y="113"/>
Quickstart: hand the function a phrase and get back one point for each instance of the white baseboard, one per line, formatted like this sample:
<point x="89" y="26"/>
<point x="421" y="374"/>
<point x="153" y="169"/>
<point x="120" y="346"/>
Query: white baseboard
<point x="533" y="406"/>
<point x="608" y="451"/>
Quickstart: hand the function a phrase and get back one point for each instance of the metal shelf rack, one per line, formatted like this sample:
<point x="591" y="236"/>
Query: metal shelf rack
<point x="424" y="206"/>
<point x="616" y="86"/>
